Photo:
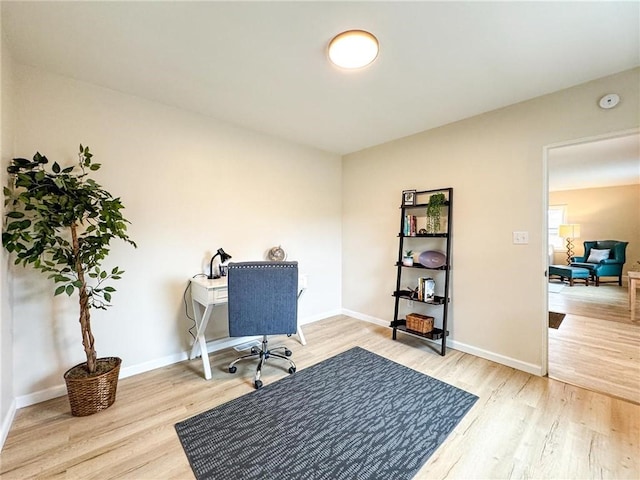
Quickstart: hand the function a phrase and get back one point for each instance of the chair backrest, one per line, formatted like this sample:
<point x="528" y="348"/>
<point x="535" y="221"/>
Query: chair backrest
<point x="617" y="249"/>
<point x="263" y="298"/>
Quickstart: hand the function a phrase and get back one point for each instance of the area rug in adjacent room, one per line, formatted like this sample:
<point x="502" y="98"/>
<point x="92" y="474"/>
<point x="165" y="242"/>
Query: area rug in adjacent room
<point x="555" y="287"/>
<point x="355" y="415"/>
<point x="555" y="319"/>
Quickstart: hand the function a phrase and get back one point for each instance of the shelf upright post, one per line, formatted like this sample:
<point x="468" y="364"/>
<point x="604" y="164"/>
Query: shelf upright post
<point x="447" y="274"/>
<point x="399" y="270"/>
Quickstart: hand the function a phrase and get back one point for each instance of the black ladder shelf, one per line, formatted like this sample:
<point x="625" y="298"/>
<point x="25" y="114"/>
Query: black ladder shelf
<point x="411" y="237"/>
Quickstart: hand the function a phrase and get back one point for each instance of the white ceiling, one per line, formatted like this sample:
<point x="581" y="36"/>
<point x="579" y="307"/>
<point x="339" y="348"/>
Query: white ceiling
<point x="602" y="163"/>
<point x="263" y="65"/>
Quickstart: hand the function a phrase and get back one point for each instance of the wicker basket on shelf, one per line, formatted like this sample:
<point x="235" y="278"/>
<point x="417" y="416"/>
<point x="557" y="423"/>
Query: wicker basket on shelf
<point x="419" y="323"/>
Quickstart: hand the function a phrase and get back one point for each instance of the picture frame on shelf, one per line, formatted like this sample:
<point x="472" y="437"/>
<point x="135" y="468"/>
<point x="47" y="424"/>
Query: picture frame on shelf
<point x="408" y="198"/>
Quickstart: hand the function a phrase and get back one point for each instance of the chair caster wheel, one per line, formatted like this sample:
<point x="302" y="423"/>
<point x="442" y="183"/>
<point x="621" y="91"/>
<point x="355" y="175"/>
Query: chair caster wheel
<point x="292" y="369"/>
<point x="257" y="384"/>
<point x="287" y="353"/>
<point x="254" y="351"/>
<point x="232" y="369"/>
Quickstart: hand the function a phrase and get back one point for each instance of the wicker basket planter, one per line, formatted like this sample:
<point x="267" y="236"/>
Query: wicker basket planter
<point x="89" y="395"/>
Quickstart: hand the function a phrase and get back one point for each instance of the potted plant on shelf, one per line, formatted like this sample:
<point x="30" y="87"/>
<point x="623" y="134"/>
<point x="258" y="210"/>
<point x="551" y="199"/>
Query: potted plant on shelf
<point x="61" y="223"/>
<point x="436" y="201"/>
<point x="407" y="260"/>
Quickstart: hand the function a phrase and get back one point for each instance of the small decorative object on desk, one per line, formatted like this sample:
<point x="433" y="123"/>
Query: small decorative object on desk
<point x="419" y="323"/>
<point x="407" y="260"/>
<point x="277" y="254"/>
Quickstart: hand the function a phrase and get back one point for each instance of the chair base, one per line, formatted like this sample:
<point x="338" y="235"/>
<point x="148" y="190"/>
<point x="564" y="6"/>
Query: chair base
<point x="595" y="276"/>
<point x="263" y="354"/>
<point x="600" y="281"/>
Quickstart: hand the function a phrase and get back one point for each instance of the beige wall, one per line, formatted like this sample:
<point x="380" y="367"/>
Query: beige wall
<point x="190" y="185"/>
<point x="611" y="213"/>
<point x="494" y="162"/>
<point x="7" y="404"/>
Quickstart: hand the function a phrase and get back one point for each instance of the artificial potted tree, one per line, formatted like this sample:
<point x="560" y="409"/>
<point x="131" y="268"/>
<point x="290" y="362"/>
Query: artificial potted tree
<point x="61" y="223"/>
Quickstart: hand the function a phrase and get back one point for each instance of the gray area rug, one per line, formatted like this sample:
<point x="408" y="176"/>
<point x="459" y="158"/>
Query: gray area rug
<point x="353" y="416"/>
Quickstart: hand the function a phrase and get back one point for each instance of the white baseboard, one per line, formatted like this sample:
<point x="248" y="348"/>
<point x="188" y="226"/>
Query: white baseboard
<point x="321" y="316"/>
<point x="152" y="365"/>
<point x="496" y="357"/>
<point x="212" y="346"/>
<point x="463" y="347"/>
<point x="366" y="318"/>
<point x="41" y="396"/>
<point x="61" y="389"/>
<point x="7" y="421"/>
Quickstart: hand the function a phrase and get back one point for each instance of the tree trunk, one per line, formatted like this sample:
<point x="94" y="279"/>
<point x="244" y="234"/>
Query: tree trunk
<point x="85" y="317"/>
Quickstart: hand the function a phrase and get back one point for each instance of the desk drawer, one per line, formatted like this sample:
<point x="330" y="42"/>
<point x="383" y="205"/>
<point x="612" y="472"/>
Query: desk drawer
<point x="208" y="296"/>
<point x="219" y="295"/>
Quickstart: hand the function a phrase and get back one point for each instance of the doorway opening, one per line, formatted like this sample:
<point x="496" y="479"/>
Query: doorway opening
<point x="594" y="184"/>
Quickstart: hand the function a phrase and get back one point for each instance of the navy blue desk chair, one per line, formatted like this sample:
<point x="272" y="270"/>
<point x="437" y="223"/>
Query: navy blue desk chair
<point x="263" y="300"/>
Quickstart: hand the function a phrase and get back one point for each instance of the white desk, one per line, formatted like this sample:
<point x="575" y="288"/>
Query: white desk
<point x="206" y="294"/>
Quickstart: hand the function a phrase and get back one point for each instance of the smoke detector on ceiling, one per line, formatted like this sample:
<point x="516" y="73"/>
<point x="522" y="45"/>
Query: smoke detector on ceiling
<point x="610" y="100"/>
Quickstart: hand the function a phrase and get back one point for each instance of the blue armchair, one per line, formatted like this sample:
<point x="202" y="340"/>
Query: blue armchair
<point x="610" y="267"/>
<point x="263" y="300"/>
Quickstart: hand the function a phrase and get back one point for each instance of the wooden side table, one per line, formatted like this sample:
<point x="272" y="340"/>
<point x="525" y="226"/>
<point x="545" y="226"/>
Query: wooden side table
<point x="634" y="282"/>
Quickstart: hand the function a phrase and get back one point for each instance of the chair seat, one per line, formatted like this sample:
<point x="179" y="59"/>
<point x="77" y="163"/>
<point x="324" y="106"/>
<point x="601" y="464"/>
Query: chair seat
<point x="588" y="267"/>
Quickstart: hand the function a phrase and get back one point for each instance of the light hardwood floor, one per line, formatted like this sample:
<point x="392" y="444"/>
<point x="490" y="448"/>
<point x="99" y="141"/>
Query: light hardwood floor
<point x="598" y="344"/>
<point x="608" y="302"/>
<point x="522" y="426"/>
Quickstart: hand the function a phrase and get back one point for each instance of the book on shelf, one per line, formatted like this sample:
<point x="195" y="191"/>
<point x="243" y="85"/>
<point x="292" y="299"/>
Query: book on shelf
<point x="426" y="288"/>
<point x="410" y="226"/>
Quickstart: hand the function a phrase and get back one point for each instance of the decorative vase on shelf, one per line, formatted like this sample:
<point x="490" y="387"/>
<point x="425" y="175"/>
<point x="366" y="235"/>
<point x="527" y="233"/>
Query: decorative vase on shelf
<point x="407" y="259"/>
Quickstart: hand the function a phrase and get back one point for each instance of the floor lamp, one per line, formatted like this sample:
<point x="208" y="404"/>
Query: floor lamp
<point x="569" y="231"/>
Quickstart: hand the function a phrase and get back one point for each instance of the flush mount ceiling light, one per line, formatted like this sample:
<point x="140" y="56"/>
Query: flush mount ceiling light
<point x="353" y="49"/>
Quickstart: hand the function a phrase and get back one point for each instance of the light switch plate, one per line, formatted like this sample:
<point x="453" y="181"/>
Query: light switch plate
<point x="520" y="238"/>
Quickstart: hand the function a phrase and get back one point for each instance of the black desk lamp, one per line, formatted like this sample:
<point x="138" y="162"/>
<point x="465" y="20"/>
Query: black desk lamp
<point x="224" y="256"/>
